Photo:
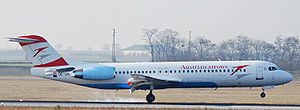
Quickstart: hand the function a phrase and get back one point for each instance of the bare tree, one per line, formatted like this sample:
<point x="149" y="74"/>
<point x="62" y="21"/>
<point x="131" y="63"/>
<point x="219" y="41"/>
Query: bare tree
<point x="227" y="50"/>
<point x="243" y="47"/>
<point x="167" y="46"/>
<point x="203" y="48"/>
<point x="279" y="47"/>
<point x="268" y="52"/>
<point x="262" y="50"/>
<point x="291" y="49"/>
<point x="149" y="34"/>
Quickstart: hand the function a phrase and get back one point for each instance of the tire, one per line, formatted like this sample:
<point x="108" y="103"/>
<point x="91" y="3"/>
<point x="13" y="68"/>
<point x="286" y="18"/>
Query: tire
<point x="262" y="95"/>
<point x="150" y="98"/>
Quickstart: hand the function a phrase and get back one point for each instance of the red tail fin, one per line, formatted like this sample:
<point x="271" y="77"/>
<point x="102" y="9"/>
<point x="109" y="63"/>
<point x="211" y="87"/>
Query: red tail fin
<point x="40" y="52"/>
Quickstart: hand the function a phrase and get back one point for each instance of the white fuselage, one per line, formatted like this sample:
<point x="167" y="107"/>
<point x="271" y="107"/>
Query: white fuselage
<point x="190" y="74"/>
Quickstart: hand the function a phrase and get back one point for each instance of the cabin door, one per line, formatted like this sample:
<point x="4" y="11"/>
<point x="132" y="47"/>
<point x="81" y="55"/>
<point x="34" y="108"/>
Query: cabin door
<point x="259" y="73"/>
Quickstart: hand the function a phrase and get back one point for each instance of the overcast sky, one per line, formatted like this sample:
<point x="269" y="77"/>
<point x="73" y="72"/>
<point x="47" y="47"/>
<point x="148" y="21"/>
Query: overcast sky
<point x="83" y="24"/>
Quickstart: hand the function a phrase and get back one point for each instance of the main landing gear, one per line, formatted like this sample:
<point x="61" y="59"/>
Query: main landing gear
<point x="150" y="97"/>
<point x="263" y="95"/>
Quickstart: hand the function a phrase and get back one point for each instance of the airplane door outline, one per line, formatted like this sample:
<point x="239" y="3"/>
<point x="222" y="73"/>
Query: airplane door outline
<point x="259" y="73"/>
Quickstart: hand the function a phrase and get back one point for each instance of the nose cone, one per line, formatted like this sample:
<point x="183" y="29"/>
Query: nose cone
<point x="288" y="77"/>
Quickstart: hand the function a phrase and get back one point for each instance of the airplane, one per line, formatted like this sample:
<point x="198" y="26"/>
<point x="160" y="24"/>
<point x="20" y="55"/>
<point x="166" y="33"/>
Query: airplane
<point x="49" y="64"/>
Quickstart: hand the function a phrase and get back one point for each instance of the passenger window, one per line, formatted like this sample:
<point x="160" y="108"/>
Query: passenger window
<point x="240" y="70"/>
<point x="192" y="71"/>
<point x="212" y="70"/>
<point x="139" y="72"/>
<point x="196" y="71"/>
<point x="153" y="71"/>
<point x="183" y="71"/>
<point x="208" y="71"/>
<point x="127" y="72"/>
<point x="228" y="70"/>
<point x="187" y="71"/>
<point x="150" y="72"/>
<point x="244" y="70"/>
<point x="220" y="70"/>
<point x="200" y="71"/>
<point x="166" y="71"/>
<point x="224" y="70"/>
<point x="159" y="71"/>
<point x="174" y="71"/>
<point x="142" y="72"/>
<point x="204" y="71"/>
<point x="123" y="72"/>
<point x="130" y="72"/>
<point x="232" y="70"/>
<point x="170" y="71"/>
<point x="134" y="71"/>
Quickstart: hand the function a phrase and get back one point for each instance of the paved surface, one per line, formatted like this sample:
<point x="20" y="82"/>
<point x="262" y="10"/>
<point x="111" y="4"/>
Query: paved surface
<point x="146" y="105"/>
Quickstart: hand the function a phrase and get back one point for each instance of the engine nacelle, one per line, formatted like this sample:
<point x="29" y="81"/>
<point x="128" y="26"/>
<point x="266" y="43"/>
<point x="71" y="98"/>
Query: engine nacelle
<point x="95" y="73"/>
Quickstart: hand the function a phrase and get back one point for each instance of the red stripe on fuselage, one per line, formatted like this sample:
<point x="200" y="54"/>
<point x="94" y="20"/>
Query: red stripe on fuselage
<point x="238" y="68"/>
<point x="32" y="37"/>
<point x="59" y="62"/>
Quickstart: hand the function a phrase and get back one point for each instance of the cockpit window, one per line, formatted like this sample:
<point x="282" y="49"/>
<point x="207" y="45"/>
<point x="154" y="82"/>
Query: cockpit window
<point x="273" y="68"/>
<point x="270" y="68"/>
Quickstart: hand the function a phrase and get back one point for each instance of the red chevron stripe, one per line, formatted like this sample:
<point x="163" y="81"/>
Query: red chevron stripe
<point x="238" y="68"/>
<point x="58" y="62"/>
<point x="32" y="37"/>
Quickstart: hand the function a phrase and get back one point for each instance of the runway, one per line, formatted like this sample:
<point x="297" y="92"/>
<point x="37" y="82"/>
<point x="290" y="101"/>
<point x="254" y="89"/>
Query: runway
<point x="146" y="105"/>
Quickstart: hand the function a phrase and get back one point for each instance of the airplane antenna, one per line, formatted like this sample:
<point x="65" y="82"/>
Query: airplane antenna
<point x="113" y="52"/>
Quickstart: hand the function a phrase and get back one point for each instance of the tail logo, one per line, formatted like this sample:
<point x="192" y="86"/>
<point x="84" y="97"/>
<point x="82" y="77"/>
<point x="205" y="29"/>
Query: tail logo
<point x="39" y="50"/>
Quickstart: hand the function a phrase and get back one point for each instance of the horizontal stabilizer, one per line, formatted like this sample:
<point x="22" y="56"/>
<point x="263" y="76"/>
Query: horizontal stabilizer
<point x="22" y="40"/>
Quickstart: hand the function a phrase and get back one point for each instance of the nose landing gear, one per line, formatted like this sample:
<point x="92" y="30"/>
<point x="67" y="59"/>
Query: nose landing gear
<point x="150" y="97"/>
<point x="263" y="95"/>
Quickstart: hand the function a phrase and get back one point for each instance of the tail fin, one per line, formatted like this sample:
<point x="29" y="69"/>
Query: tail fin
<point x="39" y="51"/>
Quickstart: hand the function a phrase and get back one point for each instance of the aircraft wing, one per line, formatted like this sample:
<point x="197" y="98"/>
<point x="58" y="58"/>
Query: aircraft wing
<point x="139" y="80"/>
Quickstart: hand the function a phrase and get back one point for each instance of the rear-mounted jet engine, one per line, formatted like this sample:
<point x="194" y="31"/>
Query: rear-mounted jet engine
<point x="95" y="73"/>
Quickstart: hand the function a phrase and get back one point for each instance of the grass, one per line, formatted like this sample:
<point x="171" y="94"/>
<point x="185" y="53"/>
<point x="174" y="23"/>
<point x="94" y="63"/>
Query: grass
<point x="33" y="88"/>
<point x="14" y="70"/>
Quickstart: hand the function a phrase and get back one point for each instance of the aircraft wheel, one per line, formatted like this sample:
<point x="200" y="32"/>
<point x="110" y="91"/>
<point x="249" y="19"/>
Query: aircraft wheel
<point x="150" y="98"/>
<point x="262" y="95"/>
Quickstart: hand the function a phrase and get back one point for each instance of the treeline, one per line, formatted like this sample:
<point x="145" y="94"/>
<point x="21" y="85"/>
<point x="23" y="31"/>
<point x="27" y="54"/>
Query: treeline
<point x="166" y="45"/>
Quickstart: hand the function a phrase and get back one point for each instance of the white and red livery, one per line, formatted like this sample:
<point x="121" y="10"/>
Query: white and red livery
<point x="49" y="64"/>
